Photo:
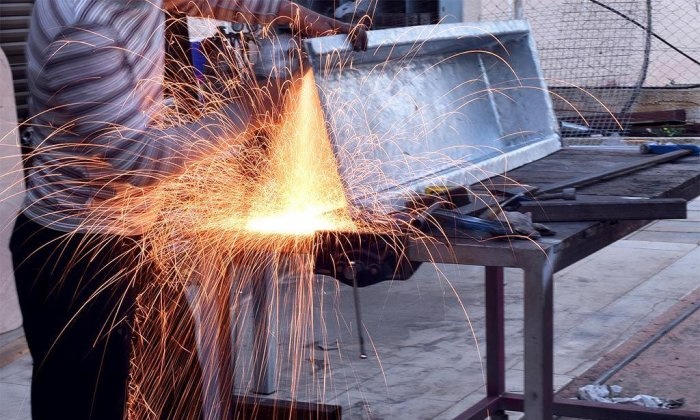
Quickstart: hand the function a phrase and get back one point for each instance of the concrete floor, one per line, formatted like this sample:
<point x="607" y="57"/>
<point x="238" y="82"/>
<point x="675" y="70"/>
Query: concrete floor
<point x="425" y="336"/>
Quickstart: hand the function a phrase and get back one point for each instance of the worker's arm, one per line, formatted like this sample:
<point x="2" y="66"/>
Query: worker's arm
<point x="302" y="19"/>
<point x="313" y="24"/>
<point x="98" y="118"/>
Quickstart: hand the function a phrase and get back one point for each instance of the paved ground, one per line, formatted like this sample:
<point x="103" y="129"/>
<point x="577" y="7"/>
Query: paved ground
<point x="426" y="334"/>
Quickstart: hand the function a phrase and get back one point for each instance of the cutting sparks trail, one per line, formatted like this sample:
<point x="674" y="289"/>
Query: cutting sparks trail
<point x="236" y="228"/>
<point x="235" y="225"/>
<point x="303" y="192"/>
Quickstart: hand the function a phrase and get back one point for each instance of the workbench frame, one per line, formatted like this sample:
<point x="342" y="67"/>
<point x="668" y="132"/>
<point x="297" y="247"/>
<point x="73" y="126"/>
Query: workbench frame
<point x="540" y="260"/>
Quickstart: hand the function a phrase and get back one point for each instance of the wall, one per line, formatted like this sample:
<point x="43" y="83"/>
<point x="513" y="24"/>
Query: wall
<point x="11" y="193"/>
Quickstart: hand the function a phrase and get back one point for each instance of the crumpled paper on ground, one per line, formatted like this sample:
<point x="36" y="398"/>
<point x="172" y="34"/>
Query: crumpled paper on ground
<point x="611" y="394"/>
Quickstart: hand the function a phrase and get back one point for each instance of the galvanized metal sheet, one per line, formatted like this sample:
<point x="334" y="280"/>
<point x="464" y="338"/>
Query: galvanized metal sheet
<point x="435" y="104"/>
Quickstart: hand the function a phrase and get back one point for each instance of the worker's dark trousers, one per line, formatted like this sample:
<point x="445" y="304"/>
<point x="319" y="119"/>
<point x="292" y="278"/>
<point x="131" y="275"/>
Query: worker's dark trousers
<point x="77" y="294"/>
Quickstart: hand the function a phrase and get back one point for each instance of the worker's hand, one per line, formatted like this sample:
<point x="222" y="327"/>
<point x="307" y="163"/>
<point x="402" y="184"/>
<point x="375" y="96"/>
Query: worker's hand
<point x="312" y="24"/>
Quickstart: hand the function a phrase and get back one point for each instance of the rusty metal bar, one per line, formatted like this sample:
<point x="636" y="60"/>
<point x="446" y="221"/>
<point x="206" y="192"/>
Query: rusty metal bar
<point x="609" y="208"/>
<point x="539" y="337"/>
<point x="495" y="338"/>
<point x="275" y="409"/>
<point x="607" y="411"/>
<point x="264" y="342"/>
<point x="619" y="170"/>
<point x="495" y="335"/>
<point x="518" y="9"/>
<point x="599" y="411"/>
<point x="481" y="409"/>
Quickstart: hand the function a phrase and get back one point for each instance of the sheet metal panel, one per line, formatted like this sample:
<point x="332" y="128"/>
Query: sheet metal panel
<point x="425" y="105"/>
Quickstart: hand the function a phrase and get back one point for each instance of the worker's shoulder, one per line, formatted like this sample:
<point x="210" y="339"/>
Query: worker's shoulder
<point x="55" y="20"/>
<point x="94" y="23"/>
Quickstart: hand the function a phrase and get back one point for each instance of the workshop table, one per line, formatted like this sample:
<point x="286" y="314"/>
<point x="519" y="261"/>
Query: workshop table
<point x="540" y="259"/>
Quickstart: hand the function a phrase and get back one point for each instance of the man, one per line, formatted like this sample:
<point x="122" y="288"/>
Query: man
<point x="95" y="70"/>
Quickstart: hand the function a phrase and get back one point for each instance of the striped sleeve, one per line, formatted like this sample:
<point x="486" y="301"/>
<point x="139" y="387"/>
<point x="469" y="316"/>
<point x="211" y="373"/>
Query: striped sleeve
<point x="85" y="82"/>
<point x="252" y="11"/>
<point x="92" y="97"/>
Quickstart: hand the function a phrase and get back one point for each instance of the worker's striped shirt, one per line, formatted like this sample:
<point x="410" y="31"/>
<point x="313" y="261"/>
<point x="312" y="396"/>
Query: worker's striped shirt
<point x="95" y="70"/>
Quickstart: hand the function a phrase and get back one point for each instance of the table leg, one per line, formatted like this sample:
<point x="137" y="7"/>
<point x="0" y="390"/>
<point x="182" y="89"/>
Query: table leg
<point x="495" y="337"/>
<point x="211" y="307"/>
<point x="221" y="315"/>
<point x="538" y="336"/>
<point x="264" y="338"/>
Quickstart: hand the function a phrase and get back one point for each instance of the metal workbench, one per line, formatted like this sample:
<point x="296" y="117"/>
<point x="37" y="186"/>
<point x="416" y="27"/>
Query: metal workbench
<point x="540" y="260"/>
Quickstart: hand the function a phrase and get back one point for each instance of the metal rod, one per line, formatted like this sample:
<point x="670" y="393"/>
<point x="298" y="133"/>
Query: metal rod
<point x="645" y="67"/>
<point x="622" y="169"/>
<point x="264" y="339"/>
<point x="596" y="410"/>
<point x="495" y="334"/>
<point x="518" y="9"/>
<point x="538" y="338"/>
<point x="606" y="411"/>
<point x="358" y="315"/>
<point x="645" y="345"/>
<point x="495" y="338"/>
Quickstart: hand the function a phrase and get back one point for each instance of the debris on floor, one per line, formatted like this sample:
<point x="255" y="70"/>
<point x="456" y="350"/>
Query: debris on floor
<point x="612" y="394"/>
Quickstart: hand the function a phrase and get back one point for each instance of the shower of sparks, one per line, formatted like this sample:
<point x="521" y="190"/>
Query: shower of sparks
<point x="240" y="220"/>
<point x="303" y="192"/>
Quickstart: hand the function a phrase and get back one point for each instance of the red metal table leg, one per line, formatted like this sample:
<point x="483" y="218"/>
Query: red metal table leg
<point x="495" y="336"/>
<point x="538" y="337"/>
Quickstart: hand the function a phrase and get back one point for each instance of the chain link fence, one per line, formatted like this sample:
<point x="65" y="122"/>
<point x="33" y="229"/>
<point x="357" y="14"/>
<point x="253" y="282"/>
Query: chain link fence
<point x="600" y="57"/>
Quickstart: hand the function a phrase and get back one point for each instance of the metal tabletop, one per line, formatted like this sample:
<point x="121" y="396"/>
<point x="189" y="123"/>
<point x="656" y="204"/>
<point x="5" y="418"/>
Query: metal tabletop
<point x="539" y="260"/>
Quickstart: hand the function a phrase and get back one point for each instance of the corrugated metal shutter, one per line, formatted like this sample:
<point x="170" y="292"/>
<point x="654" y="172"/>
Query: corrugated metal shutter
<point x="14" y="24"/>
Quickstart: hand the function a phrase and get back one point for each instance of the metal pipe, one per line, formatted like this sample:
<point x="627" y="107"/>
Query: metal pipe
<point x="495" y="338"/>
<point x="264" y="338"/>
<point x="539" y="337"/>
<point x="518" y="9"/>
<point x="471" y="10"/>
<point x="358" y="317"/>
<point x="645" y="345"/>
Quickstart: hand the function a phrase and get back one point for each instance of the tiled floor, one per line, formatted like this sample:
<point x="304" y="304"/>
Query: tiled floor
<point x="425" y="335"/>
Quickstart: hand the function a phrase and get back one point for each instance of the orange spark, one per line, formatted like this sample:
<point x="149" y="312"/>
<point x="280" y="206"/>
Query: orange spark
<point x="303" y="193"/>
